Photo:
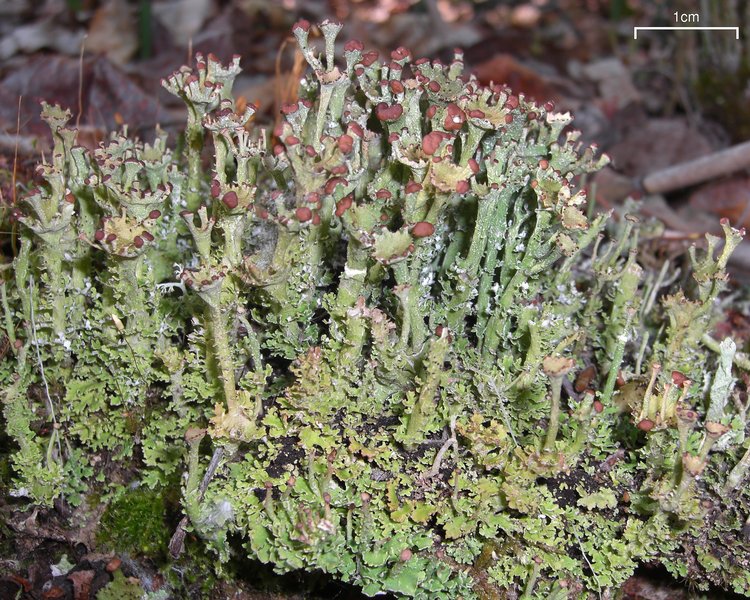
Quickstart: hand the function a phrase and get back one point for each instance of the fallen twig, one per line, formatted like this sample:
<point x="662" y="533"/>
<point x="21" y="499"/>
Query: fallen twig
<point x="699" y="170"/>
<point x="177" y="543"/>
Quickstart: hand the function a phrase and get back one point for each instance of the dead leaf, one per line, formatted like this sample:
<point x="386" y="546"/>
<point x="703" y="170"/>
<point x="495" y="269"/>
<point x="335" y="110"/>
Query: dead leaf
<point x="113" y="32"/>
<point x="81" y="584"/>
<point x="504" y="68"/>
<point x="611" y="187"/>
<point x="183" y="18"/>
<point x="45" y="33"/>
<point x="106" y="90"/>
<point x="657" y="144"/>
<point x="729" y="198"/>
<point x="613" y="79"/>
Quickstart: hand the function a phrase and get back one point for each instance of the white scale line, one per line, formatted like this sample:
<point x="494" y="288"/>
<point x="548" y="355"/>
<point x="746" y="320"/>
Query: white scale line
<point x="735" y="29"/>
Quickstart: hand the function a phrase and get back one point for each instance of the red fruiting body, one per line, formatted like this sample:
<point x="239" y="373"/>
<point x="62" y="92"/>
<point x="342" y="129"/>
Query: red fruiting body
<point x="278" y="149"/>
<point x="512" y="102"/>
<point x="291" y="140"/>
<point x="289" y="109"/>
<point x="645" y="425"/>
<point x="313" y="198"/>
<point x="316" y="219"/>
<point x="154" y="214"/>
<point x="396" y="86"/>
<point x="462" y="187"/>
<point x="70" y="198"/>
<point x="111" y="237"/>
<point x="369" y="57"/>
<point x="230" y="200"/>
<point x="384" y="112"/>
<point x="306" y="103"/>
<point x="476" y="114"/>
<point x="353" y="46"/>
<point x="99" y="235"/>
<point x="138" y="241"/>
<point x="332" y="183"/>
<point x="431" y="111"/>
<point x="544" y="163"/>
<point x="262" y="213"/>
<point x="598" y="406"/>
<point x="508" y="119"/>
<point x="431" y="142"/>
<point x="531" y="116"/>
<point x="474" y="166"/>
<point x="339" y="170"/>
<point x="345" y="143"/>
<point x="302" y="24"/>
<point x="355" y="129"/>
<point x="310" y="151"/>
<point x="303" y="214"/>
<point x="393" y="137"/>
<point x="147" y="235"/>
<point x="359" y="71"/>
<point x="454" y="117"/>
<point x="620" y="381"/>
<point x="215" y="188"/>
<point x="343" y="205"/>
<point x="421" y="61"/>
<point x="433" y="86"/>
<point x="678" y="378"/>
<point x="400" y="53"/>
<point x="549" y="106"/>
<point x="413" y="187"/>
<point x="383" y="194"/>
<point x="405" y="555"/>
<point x="383" y="217"/>
<point x="422" y="229"/>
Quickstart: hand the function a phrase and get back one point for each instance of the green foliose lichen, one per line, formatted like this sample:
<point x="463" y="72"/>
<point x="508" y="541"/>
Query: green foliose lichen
<point x="420" y="367"/>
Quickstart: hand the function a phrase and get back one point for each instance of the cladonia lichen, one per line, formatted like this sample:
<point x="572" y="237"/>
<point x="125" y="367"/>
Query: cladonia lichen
<point x="427" y="370"/>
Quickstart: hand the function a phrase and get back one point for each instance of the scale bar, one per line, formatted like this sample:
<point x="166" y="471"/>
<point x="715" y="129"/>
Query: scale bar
<point x="735" y="29"/>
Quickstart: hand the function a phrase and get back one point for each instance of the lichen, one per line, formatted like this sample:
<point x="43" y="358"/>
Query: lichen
<point x="420" y="366"/>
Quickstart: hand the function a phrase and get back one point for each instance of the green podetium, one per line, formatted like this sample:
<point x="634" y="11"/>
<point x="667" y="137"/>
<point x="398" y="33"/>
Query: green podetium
<point x="379" y="314"/>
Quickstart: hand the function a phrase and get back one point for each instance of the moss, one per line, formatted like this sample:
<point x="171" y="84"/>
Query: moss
<point x="136" y="522"/>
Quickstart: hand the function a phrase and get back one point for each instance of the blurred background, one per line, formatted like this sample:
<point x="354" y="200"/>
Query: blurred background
<point x="663" y="99"/>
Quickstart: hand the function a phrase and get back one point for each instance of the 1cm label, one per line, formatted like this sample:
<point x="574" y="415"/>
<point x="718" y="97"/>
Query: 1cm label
<point x="681" y="17"/>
